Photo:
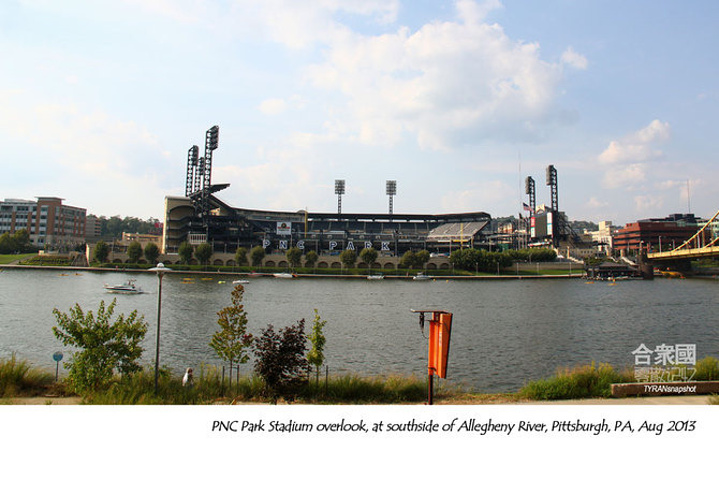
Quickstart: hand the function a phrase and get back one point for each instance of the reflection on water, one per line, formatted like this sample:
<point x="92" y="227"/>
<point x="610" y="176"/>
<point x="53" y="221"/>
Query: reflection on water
<point x="505" y="333"/>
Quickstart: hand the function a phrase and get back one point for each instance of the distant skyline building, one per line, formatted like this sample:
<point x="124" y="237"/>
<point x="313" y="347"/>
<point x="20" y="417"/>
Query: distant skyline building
<point x="49" y="223"/>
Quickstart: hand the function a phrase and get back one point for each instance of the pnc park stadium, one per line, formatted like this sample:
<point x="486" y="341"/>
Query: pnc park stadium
<point x="200" y="216"/>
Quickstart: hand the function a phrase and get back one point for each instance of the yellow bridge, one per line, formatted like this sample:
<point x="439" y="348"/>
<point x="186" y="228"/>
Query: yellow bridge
<point x="692" y="248"/>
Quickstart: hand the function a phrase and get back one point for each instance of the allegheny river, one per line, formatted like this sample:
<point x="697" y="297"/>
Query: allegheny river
<point x="505" y="332"/>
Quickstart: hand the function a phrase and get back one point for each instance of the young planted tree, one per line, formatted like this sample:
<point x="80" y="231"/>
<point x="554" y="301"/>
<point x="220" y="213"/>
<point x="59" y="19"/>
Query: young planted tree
<point x="311" y="258"/>
<point x="185" y="251"/>
<point x="104" y="346"/>
<point x="204" y="252"/>
<point x="241" y="256"/>
<point x="408" y="259"/>
<point x="369" y="255"/>
<point x="316" y="356"/>
<point x="348" y="258"/>
<point x="134" y="252"/>
<point x="152" y="253"/>
<point x="101" y="252"/>
<point x="421" y="258"/>
<point x="294" y="257"/>
<point x="257" y="254"/>
<point x="280" y="358"/>
<point x="231" y="340"/>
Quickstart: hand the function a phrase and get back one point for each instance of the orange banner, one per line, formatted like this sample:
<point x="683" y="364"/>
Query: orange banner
<point x="440" y="329"/>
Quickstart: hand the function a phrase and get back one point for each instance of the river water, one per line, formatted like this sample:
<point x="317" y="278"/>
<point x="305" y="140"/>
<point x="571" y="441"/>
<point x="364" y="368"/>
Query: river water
<point x="505" y="332"/>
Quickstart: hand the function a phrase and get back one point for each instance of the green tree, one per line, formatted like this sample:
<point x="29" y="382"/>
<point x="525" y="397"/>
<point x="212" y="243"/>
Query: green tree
<point x="316" y="356"/>
<point x="257" y="254"/>
<point x="408" y="259"/>
<point x="101" y="252"/>
<point x="7" y="244"/>
<point x="294" y="256"/>
<point x="21" y="238"/>
<point x="280" y="358"/>
<point x="185" y="251"/>
<point x="369" y="255"/>
<point x="421" y="258"/>
<point x="231" y="340"/>
<point x="348" y="258"/>
<point x="241" y="256"/>
<point x="203" y="252"/>
<point x="311" y="258"/>
<point x="134" y="252"/>
<point x="104" y="346"/>
<point x="152" y="253"/>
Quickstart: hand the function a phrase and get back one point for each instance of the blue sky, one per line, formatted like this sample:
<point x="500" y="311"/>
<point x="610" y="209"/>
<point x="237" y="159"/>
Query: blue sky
<point x="457" y="101"/>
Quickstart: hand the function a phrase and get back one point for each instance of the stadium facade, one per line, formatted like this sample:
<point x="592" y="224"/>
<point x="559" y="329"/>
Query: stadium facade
<point x="226" y="228"/>
<point x="201" y="217"/>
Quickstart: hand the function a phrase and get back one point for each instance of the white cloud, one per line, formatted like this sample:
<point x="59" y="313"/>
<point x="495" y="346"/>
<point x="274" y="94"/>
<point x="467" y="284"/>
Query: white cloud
<point x="100" y="159"/>
<point x="447" y="84"/>
<point x="595" y="203"/>
<point x="574" y="59"/>
<point x="627" y="161"/>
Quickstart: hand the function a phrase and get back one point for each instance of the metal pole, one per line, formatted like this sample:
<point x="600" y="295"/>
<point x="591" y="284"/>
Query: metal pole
<point x="430" y="389"/>
<point x="159" y="312"/>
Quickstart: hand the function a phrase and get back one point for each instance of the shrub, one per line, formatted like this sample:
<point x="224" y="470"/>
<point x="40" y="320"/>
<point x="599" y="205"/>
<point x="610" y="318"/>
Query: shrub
<point x="280" y="358"/>
<point x="104" y="346"/>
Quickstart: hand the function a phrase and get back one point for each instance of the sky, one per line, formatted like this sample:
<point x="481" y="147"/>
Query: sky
<point x="457" y="101"/>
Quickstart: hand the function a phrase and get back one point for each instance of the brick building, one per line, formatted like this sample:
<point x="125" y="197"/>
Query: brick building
<point x="655" y="235"/>
<point x="49" y="223"/>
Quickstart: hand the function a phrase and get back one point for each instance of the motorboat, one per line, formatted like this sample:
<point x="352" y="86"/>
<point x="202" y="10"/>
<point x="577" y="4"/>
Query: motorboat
<point x="378" y="276"/>
<point x="240" y="282"/>
<point x="421" y="276"/>
<point x="127" y="287"/>
<point x="284" y="275"/>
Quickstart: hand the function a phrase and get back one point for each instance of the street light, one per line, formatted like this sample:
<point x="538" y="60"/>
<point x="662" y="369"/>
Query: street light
<point x="160" y="269"/>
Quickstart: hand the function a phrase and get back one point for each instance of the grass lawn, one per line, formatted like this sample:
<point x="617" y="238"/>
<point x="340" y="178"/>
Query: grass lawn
<point x="5" y="259"/>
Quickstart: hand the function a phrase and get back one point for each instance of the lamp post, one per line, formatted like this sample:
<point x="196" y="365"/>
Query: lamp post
<point x="160" y="269"/>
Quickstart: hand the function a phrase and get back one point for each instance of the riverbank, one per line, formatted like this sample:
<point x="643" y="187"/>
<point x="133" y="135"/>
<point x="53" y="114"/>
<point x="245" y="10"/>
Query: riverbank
<point x="404" y="276"/>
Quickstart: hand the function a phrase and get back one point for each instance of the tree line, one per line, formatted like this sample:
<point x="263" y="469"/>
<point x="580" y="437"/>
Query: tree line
<point x="114" y="226"/>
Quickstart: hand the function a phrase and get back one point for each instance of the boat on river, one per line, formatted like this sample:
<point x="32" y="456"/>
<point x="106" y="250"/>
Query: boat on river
<point x="284" y="275"/>
<point x="240" y="282"/>
<point x="127" y="287"/>
<point x="421" y="276"/>
<point x="378" y="276"/>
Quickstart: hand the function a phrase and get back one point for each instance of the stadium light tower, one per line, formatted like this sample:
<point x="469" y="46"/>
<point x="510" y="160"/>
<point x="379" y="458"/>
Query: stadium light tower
<point x="391" y="192"/>
<point x="339" y="191"/>
<point x="530" y="189"/>
<point x="552" y="182"/>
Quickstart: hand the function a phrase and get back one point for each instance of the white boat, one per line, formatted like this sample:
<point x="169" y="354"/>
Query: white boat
<point x="375" y="277"/>
<point x="421" y="276"/>
<point x="284" y="275"/>
<point x="127" y="287"/>
<point x="240" y="282"/>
